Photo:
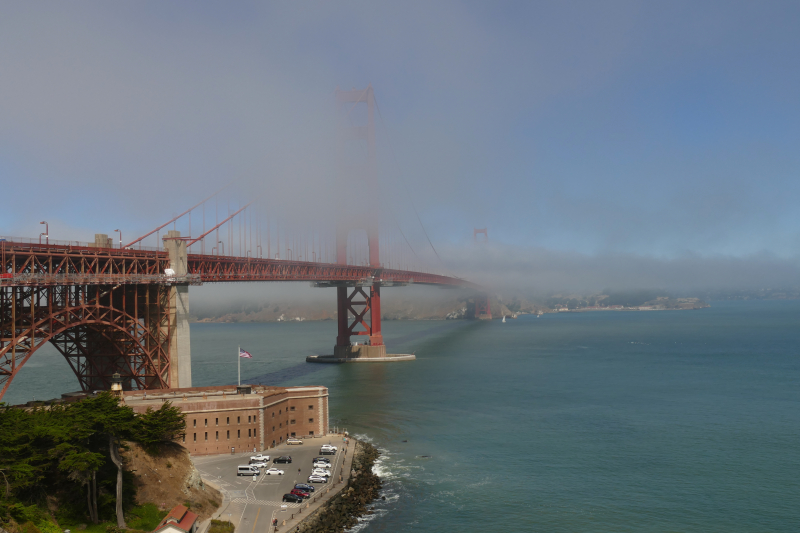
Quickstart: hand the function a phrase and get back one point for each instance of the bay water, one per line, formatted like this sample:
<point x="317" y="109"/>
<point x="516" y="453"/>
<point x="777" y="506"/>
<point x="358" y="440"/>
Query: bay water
<point x="660" y="421"/>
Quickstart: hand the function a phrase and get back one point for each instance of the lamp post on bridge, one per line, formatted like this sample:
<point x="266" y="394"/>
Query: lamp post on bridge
<point x="223" y="246"/>
<point x="120" y="238"/>
<point x="46" y="233"/>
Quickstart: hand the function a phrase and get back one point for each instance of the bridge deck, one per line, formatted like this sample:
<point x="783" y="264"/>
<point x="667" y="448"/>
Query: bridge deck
<point x="34" y="264"/>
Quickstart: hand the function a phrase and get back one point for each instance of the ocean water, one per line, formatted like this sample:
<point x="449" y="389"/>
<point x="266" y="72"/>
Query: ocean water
<point x="668" y="421"/>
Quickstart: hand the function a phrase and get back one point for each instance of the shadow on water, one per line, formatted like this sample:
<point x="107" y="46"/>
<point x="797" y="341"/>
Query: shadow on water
<point x="304" y="369"/>
<point x="419" y="335"/>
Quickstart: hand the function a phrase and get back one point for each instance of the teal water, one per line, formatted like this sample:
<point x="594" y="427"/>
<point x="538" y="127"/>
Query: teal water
<point x="606" y="421"/>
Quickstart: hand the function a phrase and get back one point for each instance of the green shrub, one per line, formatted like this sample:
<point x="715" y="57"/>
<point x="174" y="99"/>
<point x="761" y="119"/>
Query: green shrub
<point x="145" y="517"/>
<point x="29" y="527"/>
<point x="23" y="514"/>
<point x="220" y="526"/>
<point x="49" y="527"/>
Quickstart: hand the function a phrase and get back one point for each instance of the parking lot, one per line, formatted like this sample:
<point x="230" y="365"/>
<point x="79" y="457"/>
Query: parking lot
<point x="252" y="505"/>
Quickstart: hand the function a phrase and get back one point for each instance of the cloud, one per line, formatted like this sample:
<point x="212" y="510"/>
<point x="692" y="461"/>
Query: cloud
<point x="511" y="269"/>
<point x="604" y="130"/>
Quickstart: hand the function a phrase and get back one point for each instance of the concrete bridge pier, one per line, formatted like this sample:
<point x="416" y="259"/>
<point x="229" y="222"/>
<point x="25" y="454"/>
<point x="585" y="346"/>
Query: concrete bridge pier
<point x="359" y="316"/>
<point x="180" y="375"/>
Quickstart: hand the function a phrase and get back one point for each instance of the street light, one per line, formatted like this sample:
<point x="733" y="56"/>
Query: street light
<point x="120" y="238"/>
<point x="46" y="233"/>
<point x="223" y="246"/>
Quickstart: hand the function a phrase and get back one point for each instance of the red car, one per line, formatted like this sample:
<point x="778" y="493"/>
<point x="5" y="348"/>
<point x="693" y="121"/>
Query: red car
<point x="301" y="493"/>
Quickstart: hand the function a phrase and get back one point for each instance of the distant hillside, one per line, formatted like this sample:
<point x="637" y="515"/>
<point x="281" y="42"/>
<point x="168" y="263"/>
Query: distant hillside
<point x="449" y="306"/>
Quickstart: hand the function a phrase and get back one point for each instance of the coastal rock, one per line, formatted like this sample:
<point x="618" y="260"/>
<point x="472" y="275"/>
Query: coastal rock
<point x="343" y="510"/>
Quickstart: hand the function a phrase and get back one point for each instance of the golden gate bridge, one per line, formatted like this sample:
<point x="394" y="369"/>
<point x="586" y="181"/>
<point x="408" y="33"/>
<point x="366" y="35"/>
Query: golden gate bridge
<point x="110" y="307"/>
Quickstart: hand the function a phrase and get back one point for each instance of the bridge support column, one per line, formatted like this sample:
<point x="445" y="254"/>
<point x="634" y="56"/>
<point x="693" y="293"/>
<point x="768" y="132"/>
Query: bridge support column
<point x="365" y="311"/>
<point x="483" y="310"/>
<point x="180" y="347"/>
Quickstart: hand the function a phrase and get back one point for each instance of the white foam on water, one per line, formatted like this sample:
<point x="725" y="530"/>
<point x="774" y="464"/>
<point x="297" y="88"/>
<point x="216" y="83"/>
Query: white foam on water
<point x="390" y="468"/>
<point x="363" y="438"/>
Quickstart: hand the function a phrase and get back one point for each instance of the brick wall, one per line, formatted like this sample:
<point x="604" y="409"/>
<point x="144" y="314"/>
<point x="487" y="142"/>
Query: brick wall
<point x="217" y="419"/>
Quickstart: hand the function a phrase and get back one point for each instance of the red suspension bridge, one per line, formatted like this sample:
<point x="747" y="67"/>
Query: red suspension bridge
<point x="110" y="307"/>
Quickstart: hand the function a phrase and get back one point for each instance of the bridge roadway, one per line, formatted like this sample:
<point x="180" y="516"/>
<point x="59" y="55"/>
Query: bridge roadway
<point x="112" y="310"/>
<point x="33" y="264"/>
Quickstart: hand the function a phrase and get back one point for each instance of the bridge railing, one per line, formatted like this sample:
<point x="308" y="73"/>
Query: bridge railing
<point x="8" y="241"/>
<point x="95" y="279"/>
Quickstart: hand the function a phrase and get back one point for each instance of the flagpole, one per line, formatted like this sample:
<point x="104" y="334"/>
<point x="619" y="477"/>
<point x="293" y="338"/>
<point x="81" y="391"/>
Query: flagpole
<point x="239" y="365"/>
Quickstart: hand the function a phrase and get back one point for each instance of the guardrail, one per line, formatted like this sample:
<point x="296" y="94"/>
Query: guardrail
<point x="58" y="243"/>
<point x="96" y="279"/>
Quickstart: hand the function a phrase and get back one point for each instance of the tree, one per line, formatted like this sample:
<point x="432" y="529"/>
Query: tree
<point x="156" y="427"/>
<point x="110" y="421"/>
<point x="82" y="466"/>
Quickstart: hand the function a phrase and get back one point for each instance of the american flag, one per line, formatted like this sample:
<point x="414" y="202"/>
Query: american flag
<point x="244" y="354"/>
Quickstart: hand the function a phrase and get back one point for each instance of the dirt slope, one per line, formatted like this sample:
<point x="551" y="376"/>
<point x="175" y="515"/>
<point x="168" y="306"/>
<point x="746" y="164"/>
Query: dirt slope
<point x="170" y="479"/>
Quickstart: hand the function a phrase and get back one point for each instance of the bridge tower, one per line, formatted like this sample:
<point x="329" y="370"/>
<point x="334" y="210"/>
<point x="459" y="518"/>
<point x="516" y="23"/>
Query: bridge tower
<point x="359" y="313"/>
<point x="179" y="346"/>
<point x="483" y="311"/>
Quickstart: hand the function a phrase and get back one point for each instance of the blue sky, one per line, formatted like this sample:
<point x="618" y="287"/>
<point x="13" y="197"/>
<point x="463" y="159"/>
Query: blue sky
<point x="652" y="129"/>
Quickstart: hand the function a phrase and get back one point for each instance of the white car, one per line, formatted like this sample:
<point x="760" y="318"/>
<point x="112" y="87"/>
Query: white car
<point x="294" y="441"/>
<point x="321" y="464"/>
<point x="260" y="458"/>
<point x="273" y="471"/>
<point x="313" y="478"/>
<point x="329" y="447"/>
<point x="321" y="472"/>
<point x="259" y="464"/>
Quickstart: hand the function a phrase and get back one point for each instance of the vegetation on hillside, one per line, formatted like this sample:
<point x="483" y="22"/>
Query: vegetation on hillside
<point x="63" y="461"/>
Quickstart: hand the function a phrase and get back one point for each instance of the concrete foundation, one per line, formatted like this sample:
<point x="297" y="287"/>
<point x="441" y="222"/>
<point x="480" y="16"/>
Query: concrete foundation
<point x="361" y="353"/>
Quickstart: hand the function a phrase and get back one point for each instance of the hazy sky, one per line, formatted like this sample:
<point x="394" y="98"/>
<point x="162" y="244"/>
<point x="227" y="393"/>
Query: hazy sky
<point x="648" y="130"/>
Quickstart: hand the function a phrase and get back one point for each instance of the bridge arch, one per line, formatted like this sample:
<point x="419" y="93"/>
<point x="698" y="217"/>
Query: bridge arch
<point x="99" y="330"/>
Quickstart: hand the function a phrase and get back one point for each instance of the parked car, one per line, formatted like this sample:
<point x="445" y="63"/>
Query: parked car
<point x="321" y="472"/>
<point x="321" y="464"/>
<point x="273" y="472"/>
<point x="259" y="464"/>
<point x="330" y="447"/>
<point x="247" y="470"/>
<point x="292" y="498"/>
<point x="301" y="493"/>
<point x="283" y="459"/>
<point x="322" y="459"/>
<point x="259" y="457"/>
<point x="294" y="441"/>
<point x="313" y="478"/>
<point x="327" y="451"/>
<point x="303" y="486"/>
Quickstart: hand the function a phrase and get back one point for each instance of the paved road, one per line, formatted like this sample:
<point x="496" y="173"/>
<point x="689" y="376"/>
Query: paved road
<point x="252" y="505"/>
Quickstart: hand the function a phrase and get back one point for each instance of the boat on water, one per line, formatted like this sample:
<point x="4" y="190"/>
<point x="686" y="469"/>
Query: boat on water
<point x="504" y="318"/>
